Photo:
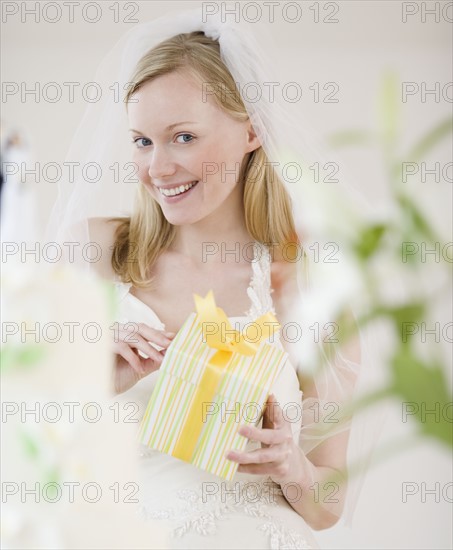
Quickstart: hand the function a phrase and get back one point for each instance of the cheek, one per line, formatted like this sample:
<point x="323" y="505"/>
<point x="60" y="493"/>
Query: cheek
<point x="226" y="161"/>
<point x="141" y="167"/>
<point x="216" y="160"/>
<point x="226" y="151"/>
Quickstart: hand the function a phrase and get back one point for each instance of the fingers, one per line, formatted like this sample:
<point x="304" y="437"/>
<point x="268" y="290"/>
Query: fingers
<point x="263" y="435"/>
<point x="133" y="341"/>
<point x="128" y="354"/>
<point x="275" y="441"/>
<point x="145" y="347"/>
<point x="267" y="456"/>
<point x="273" y="461"/>
<point x="161" y="338"/>
<point x="276" y="471"/>
<point x="273" y="414"/>
<point x="139" y="365"/>
<point x="140" y="336"/>
<point x="131" y="332"/>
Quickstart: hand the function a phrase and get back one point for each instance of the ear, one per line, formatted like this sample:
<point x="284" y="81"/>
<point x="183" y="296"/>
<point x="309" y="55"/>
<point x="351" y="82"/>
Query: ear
<point x="253" y="141"/>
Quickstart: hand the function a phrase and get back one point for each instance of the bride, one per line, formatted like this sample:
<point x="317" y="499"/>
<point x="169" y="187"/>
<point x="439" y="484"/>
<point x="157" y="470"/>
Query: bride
<point x="212" y="213"/>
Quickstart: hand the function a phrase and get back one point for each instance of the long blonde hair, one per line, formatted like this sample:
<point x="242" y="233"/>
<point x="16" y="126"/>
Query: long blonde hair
<point x="267" y="205"/>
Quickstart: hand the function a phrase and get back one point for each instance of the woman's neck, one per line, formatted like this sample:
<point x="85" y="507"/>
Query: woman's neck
<point x="213" y="240"/>
<point x="221" y="236"/>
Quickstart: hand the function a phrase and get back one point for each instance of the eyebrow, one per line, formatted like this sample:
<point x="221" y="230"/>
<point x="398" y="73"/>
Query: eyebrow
<point x="170" y="127"/>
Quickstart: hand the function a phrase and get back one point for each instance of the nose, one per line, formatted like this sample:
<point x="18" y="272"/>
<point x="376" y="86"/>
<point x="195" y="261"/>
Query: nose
<point x="161" y="164"/>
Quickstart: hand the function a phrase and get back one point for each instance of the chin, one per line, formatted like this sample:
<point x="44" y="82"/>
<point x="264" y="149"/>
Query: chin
<point x="182" y="214"/>
<point x="181" y="219"/>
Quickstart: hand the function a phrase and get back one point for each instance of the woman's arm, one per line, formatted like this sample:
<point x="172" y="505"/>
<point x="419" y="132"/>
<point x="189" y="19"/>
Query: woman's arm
<point x="321" y="472"/>
<point x="313" y="485"/>
<point x="102" y="232"/>
<point x="129" y="367"/>
<point x="327" y="460"/>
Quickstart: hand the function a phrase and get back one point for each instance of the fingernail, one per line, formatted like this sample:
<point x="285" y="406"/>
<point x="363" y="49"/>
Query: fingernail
<point x="170" y="334"/>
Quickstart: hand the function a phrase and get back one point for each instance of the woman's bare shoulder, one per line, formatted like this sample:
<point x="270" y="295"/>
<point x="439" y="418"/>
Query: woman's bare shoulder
<point x="283" y="271"/>
<point x="284" y="285"/>
<point x="102" y="233"/>
<point x="102" y="230"/>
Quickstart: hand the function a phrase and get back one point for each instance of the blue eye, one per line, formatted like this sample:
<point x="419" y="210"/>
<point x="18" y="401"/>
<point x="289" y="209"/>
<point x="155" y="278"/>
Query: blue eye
<point x="136" y="140"/>
<point x="145" y="142"/>
<point x="185" y="135"/>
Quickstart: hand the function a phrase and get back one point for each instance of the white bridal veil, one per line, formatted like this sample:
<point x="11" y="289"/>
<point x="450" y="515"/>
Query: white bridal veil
<point x="103" y="183"/>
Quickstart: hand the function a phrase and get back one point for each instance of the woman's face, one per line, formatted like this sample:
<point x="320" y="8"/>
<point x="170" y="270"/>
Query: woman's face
<point x="184" y="142"/>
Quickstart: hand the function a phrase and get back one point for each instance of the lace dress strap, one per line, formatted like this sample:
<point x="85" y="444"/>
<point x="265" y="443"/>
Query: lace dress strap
<point x="122" y="289"/>
<point x="259" y="290"/>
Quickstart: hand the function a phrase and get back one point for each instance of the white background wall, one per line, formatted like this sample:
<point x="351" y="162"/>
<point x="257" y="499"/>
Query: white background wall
<point x="369" y="39"/>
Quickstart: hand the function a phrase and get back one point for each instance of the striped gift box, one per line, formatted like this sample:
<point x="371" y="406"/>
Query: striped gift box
<point x="196" y="408"/>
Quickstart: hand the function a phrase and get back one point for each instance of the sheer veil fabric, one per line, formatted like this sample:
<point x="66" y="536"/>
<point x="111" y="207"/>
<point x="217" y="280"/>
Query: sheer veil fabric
<point x="106" y="188"/>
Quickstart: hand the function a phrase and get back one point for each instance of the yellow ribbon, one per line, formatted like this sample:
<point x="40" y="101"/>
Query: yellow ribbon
<point x="226" y="343"/>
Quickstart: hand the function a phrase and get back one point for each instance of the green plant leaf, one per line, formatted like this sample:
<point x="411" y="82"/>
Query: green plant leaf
<point x="52" y="475"/>
<point x="423" y="146"/>
<point x="29" y="445"/>
<point x="388" y="109"/>
<point x="416" y="218"/>
<point x="369" y="240"/>
<point x="429" y="140"/>
<point x="111" y="297"/>
<point x="424" y="389"/>
<point x="21" y="355"/>
<point x="350" y="137"/>
<point x="407" y="313"/>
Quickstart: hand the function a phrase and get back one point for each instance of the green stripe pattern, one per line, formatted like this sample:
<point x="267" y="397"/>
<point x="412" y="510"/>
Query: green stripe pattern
<point x="239" y="399"/>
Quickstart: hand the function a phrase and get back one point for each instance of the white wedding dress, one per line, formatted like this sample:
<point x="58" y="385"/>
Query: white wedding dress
<point x="200" y="509"/>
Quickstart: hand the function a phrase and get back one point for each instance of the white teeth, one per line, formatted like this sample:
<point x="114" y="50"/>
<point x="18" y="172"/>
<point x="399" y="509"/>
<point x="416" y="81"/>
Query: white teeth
<point x="177" y="190"/>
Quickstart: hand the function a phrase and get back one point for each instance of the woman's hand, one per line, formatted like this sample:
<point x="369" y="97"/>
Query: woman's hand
<point x="130" y="367"/>
<point x="279" y="456"/>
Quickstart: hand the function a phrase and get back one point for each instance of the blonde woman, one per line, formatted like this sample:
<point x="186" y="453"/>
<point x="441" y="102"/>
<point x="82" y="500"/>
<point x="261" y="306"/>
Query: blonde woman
<point x="212" y="213"/>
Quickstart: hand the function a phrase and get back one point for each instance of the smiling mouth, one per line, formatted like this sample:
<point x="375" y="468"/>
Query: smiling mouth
<point x="176" y="191"/>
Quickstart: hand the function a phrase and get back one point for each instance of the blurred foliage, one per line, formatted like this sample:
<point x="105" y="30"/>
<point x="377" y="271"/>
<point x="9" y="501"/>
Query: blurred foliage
<point x="423" y="384"/>
<point x="21" y="355"/>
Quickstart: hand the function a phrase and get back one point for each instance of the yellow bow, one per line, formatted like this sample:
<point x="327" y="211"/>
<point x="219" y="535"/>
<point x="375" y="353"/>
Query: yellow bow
<point x="225" y="337"/>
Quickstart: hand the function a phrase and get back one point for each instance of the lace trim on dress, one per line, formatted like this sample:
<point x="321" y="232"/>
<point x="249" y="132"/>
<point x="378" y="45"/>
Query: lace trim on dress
<point x="259" y="290"/>
<point x="199" y="513"/>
